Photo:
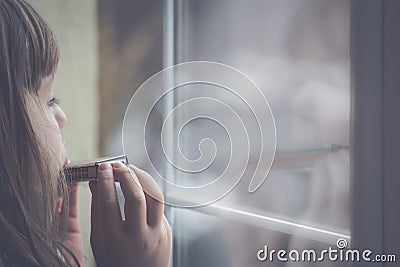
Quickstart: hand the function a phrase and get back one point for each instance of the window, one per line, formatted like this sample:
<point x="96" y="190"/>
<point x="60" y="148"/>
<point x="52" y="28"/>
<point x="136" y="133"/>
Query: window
<point x="297" y="52"/>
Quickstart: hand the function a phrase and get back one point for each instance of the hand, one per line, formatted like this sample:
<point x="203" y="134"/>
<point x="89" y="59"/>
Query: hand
<point x="143" y="239"/>
<point x="73" y="235"/>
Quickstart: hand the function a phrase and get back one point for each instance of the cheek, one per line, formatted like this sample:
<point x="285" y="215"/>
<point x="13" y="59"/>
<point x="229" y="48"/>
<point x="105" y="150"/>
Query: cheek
<point x="46" y="130"/>
<point x="53" y="134"/>
<point x="53" y="139"/>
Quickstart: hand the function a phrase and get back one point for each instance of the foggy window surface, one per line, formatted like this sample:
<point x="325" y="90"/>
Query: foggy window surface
<point x="297" y="52"/>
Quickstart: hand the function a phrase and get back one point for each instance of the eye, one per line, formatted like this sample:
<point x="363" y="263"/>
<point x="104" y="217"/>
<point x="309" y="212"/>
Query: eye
<point x="53" y="102"/>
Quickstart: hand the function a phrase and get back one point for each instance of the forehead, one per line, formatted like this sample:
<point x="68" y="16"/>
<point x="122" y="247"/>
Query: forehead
<point x="46" y="85"/>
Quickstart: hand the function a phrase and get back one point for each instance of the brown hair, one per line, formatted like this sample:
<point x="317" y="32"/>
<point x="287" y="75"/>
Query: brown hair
<point x="29" y="189"/>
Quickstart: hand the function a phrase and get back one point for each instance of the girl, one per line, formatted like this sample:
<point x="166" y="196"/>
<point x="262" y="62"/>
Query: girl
<point x="39" y="225"/>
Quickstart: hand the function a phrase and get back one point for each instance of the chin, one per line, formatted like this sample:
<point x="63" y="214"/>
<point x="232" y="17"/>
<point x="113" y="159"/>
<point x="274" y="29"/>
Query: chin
<point x="62" y="160"/>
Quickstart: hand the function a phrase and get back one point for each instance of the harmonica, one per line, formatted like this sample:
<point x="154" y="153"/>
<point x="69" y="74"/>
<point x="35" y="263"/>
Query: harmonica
<point x="82" y="172"/>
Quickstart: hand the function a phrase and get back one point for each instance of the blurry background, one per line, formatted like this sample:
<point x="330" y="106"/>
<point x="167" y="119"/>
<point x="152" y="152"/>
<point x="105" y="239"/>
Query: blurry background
<point x="297" y="51"/>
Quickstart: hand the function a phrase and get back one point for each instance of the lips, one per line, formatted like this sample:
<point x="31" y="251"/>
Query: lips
<point x="64" y="167"/>
<point x="66" y="161"/>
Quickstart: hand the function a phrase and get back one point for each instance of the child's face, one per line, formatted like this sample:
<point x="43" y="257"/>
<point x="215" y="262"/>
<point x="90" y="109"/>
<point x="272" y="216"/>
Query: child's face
<point x="53" y="119"/>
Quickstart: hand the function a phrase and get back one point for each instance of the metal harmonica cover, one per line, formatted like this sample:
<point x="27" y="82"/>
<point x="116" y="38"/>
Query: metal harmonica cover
<point x="81" y="172"/>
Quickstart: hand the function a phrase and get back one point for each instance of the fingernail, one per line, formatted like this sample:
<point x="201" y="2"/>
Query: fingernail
<point x="105" y="166"/>
<point x="117" y="165"/>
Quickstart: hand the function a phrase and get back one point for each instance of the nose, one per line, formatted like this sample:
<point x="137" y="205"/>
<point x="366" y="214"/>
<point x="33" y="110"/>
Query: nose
<point x="61" y="117"/>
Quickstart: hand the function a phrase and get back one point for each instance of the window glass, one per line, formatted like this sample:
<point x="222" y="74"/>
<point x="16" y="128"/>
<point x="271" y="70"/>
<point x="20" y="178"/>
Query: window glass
<point x="297" y="52"/>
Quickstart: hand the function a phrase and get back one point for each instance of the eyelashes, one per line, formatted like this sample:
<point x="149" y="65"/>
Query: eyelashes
<point x="54" y="102"/>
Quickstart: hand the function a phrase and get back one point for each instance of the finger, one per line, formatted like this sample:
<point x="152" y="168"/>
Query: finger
<point x="71" y="207"/>
<point x="108" y="199"/>
<point x="135" y="201"/>
<point x="95" y="221"/>
<point x="73" y="200"/>
<point x="154" y="197"/>
<point x="167" y="229"/>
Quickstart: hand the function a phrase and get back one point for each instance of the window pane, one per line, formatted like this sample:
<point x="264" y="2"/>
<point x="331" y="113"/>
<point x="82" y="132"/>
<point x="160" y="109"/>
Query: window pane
<point x="297" y="52"/>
